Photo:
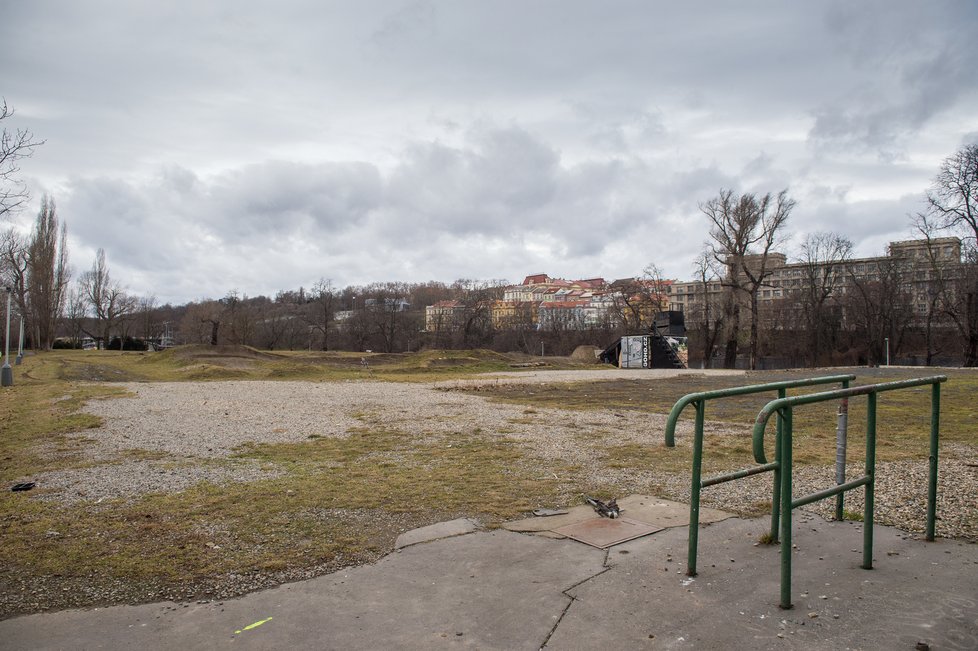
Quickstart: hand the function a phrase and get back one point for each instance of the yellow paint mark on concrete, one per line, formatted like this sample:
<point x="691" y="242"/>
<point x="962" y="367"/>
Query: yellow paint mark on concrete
<point x="251" y="626"/>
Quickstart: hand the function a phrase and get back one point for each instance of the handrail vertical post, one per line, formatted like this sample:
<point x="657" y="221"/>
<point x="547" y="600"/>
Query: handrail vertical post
<point x="871" y="484"/>
<point x="785" y="462"/>
<point x="935" y="425"/>
<point x="776" y="490"/>
<point x="694" y="488"/>
<point x="840" y="452"/>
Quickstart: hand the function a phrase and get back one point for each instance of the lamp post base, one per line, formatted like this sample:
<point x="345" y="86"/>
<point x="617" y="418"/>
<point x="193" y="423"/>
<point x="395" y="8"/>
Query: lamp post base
<point x="6" y="375"/>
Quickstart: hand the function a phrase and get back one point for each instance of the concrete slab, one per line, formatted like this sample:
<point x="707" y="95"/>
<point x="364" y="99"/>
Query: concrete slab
<point x="486" y="590"/>
<point x="437" y="531"/>
<point x="503" y="590"/>
<point x="918" y="592"/>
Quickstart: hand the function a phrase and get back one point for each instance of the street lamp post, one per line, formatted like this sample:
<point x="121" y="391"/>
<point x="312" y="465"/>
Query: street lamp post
<point x="7" y="373"/>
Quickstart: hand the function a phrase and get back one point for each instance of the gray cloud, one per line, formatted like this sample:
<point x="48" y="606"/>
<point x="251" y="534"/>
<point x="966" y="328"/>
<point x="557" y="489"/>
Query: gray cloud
<point x="914" y="64"/>
<point x="210" y="147"/>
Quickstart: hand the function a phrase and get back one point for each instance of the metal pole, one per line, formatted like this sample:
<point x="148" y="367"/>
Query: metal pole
<point x="20" y="342"/>
<point x="935" y="426"/>
<point x="870" y="487"/>
<point x="786" y="511"/>
<point x="694" y="492"/>
<point x="7" y="373"/>
<point x="887" y="340"/>
<point x="841" y="439"/>
<point x="776" y="490"/>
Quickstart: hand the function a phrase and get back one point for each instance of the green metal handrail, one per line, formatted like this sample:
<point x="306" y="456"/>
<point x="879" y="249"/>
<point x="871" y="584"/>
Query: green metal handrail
<point x="696" y="483"/>
<point x="784" y="407"/>
<point x="686" y="400"/>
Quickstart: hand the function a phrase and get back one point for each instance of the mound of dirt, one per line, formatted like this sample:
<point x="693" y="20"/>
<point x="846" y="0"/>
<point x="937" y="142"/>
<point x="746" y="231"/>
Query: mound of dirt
<point x="213" y="354"/>
<point x="586" y="354"/>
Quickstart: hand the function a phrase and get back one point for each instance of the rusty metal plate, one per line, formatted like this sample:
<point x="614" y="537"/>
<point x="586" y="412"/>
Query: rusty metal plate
<point x="604" y="532"/>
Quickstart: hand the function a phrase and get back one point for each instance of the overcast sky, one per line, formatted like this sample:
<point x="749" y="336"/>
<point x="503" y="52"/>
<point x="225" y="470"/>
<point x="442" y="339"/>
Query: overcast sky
<point x="257" y="146"/>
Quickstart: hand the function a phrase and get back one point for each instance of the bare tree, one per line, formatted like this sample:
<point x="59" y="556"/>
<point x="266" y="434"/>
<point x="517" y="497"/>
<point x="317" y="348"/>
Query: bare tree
<point x="201" y="322"/>
<point x="323" y="299"/>
<point x="638" y="299"/>
<point x="146" y="311"/>
<point x="880" y="307"/>
<point x="14" y="146"/>
<point x="47" y="274"/>
<point x="475" y="326"/>
<point x="952" y="199"/>
<point x="75" y="312"/>
<point x="706" y="314"/>
<point x="15" y="263"/>
<point x="823" y="258"/>
<point x="952" y="208"/>
<point x="239" y="315"/>
<point x="744" y="230"/>
<point x="106" y="297"/>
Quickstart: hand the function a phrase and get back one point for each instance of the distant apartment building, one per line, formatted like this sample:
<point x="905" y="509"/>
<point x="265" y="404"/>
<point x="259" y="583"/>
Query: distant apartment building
<point x="541" y="302"/>
<point x="908" y="258"/>
<point x="444" y="316"/>
<point x="556" y="304"/>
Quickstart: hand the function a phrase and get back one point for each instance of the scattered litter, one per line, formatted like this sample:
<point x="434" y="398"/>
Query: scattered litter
<point x="25" y="486"/>
<point x="542" y="513"/>
<point x="605" y="510"/>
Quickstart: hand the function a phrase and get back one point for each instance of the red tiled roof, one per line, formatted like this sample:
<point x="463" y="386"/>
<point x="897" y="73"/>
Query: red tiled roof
<point x="552" y="305"/>
<point x="592" y="283"/>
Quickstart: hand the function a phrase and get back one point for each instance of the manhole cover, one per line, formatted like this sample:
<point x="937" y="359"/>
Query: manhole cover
<point x="604" y="532"/>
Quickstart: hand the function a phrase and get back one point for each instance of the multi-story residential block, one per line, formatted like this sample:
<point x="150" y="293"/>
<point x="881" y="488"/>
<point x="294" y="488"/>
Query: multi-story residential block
<point x="562" y="315"/>
<point x="443" y="316"/>
<point x="545" y="302"/>
<point x="909" y="259"/>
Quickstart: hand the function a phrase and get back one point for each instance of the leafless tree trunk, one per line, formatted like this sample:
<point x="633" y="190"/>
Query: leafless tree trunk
<point x="47" y="274"/>
<point x="952" y="207"/>
<point x="744" y="230"/>
<point x="637" y="300"/>
<point x="823" y="257"/>
<point x="709" y="320"/>
<point x="881" y="307"/>
<point x="323" y="298"/>
<point x="106" y="297"/>
<point x="14" y="266"/>
<point x="75" y="310"/>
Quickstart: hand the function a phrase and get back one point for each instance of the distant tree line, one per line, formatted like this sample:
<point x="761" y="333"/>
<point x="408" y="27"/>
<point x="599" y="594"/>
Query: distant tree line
<point x="830" y="314"/>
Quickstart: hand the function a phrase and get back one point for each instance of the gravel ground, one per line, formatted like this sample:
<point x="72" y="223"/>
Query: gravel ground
<point x="166" y="437"/>
<point x="194" y="428"/>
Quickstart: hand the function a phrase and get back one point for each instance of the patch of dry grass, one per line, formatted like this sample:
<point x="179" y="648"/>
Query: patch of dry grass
<point x="903" y="418"/>
<point x="343" y="501"/>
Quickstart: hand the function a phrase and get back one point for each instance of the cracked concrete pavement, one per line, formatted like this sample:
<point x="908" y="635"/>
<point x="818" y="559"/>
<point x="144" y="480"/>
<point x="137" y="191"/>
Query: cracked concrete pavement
<point x="505" y="590"/>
